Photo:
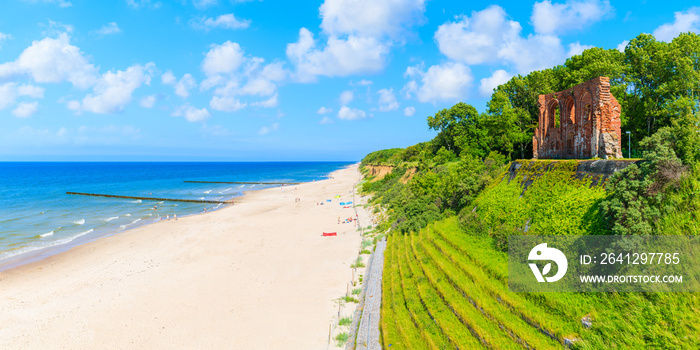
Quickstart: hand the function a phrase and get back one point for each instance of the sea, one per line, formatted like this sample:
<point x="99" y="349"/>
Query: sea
<point x="38" y="218"/>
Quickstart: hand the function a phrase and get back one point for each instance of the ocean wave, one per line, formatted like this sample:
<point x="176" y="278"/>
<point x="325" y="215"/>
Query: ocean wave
<point x="135" y="221"/>
<point x="136" y="201"/>
<point x="207" y="192"/>
<point x="127" y="215"/>
<point x="46" y="234"/>
<point x="31" y="248"/>
<point x="110" y="219"/>
<point x="79" y="222"/>
<point x="161" y="202"/>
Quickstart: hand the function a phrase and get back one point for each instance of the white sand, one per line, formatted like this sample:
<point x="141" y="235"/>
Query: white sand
<point x="255" y="275"/>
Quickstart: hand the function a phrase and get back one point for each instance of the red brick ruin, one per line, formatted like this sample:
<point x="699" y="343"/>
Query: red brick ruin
<point x="588" y="125"/>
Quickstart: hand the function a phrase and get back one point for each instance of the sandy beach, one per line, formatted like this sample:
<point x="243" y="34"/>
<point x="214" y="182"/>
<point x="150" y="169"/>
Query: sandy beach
<point x="254" y="275"/>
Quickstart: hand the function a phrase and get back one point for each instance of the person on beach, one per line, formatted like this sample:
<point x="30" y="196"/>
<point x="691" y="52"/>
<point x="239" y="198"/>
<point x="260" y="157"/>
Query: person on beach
<point x="339" y="220"/>
<point x="175" y="216"/>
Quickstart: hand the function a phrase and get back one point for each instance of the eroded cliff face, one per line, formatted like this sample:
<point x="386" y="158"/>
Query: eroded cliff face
<point x="380" y="171"/>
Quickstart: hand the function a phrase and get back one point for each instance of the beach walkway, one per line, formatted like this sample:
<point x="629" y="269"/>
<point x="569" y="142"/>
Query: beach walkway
<point x="368" y="329"/>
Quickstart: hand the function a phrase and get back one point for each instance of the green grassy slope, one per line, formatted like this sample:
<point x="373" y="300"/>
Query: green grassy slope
<point x="446" y="286"/>
<point x="445" y="289"/>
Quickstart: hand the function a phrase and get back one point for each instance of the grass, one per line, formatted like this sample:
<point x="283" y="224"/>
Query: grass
<point x="445" y="287"/>
<point x="356" y="291"/>
<point x="365" y="251"/>
<point x="345" y="321"/>
<point x="366" y="243"/>
<point x="349" y="299"/>
<point x="358" y="263"/>
<point x="341" y="338"/>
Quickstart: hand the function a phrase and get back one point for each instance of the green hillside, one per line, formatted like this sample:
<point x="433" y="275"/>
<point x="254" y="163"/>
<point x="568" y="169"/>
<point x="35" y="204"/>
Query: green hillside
<point x="447" y="289"/>
<point x="448" y="206"/>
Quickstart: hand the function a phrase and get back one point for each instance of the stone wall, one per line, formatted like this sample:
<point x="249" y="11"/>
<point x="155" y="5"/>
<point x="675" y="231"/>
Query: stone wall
<point x="579" y="123"/>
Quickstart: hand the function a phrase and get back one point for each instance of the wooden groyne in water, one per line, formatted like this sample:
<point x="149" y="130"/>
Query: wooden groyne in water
<point x="243" y="182"/>
<point x="149" y="198"/>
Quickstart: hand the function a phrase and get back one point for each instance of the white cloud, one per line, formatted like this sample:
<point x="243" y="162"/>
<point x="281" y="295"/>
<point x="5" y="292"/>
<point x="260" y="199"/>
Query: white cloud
<point x="148" y="101"/>
<point x="345" y="97"/>
<point x="478" y="38"/>
<point x="444" y="82"/>
<point x="387" y="100"/>
<point x="324" y="110"/>
<point x="183" y="87"/>
<point x="577" y="49"/>
<point x="267" y="129"/>
<point x="374" y="18"/>
<point x="688" y="21"/>
<point x="409" y="111"/>
<point x="113" y="90"/>
<point x="224" y="58"/>
<point x="227" y="21"/>
<point x="25" y="109"/>
<point x="226" y="104"/>
<point x="621" y="46"/>
<point x="269" y="103"/>
<point x="9" y="92"/>
<point x="109" y="28"/>
<point x="364" y="82"/>
<point x="340" y="57"/>
<point x="488" y="36"/>
<point x="487" y="85"/>
<point x="192" y="114"/>
<point x="216" y="130"/>
<point x="326" y="120"/>
<point x="137" y="4"/>
<point x="4" y="37"/>
<point x="203" y="4"/>
<point x="359" y="35"/>
<point x="548" y="18"/>
<point x="168" y="78"/>
<point x="52" y="60"/>
<point x="30" y="91"/>
<point x="347" y="113"/>
<point x="233" y="75"/>
<point x="535" y="52"/>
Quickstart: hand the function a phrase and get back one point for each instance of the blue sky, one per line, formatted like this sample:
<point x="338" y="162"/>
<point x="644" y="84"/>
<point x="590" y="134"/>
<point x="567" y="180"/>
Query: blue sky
<point x="276" y="80"/>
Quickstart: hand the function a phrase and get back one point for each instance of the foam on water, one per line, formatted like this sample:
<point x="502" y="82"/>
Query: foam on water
<point x="35" y="212"/>
<point x="34" y="247"/>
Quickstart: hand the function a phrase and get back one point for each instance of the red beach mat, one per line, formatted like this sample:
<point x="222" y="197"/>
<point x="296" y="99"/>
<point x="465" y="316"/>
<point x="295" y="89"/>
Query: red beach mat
<point x="328" y="234"/>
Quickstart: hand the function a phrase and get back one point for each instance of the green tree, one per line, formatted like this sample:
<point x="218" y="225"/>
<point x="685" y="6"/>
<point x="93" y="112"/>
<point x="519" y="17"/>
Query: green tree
<point x="450" y="123"/>
<point x="510" y="128"/>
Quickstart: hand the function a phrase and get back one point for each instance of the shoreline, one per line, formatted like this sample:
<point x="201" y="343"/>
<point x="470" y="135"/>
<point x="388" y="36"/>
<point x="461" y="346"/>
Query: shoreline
<point x="257" y="274"/>
<point x="46" y="252"/>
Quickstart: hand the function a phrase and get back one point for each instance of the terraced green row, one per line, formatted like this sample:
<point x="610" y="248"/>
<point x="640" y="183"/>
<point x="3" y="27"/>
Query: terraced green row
<point x="436" y="297"/>
<point x="444" y="289"/>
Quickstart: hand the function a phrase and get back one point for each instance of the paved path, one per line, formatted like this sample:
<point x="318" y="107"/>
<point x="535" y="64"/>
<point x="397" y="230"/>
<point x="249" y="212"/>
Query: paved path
<point x="368" y="330"/>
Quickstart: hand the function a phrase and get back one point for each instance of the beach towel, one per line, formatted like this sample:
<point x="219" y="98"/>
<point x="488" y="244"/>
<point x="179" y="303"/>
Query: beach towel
<point x="328" y="234"/>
